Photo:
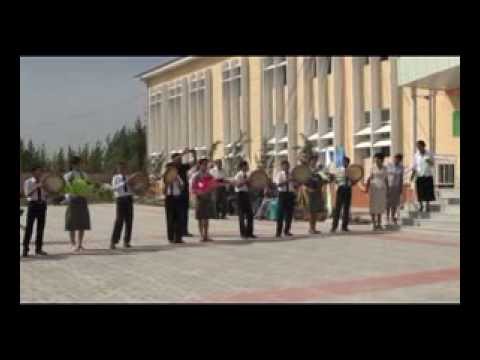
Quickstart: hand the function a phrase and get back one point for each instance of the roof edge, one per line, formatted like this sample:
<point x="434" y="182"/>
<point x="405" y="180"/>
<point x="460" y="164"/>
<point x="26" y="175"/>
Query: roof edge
<point x="144" y="76"/>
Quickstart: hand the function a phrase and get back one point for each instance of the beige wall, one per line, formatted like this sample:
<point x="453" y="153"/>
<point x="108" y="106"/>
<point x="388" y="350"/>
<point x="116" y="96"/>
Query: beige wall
<point x="446" y="143"/>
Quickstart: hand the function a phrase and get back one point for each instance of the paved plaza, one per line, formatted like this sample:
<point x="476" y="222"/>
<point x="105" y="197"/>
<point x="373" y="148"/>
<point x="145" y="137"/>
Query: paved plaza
<point x="415" y="264"/>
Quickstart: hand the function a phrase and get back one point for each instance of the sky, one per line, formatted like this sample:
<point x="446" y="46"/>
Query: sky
<point x="77" y="100"/>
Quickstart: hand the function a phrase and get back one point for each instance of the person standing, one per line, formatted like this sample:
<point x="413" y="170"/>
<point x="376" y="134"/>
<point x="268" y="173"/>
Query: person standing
<point x="205" y="208"/>
<point x="174" y="207"/>
<point x="377" y="187"/>
<point x="395" y="187"/>
<point x="343" y="199"/>
<point x="183" y="170"/>
<point x="314" y="195"/>
<point x="422" y="170"/>
<point x="36" y="211"/>
<point x="221" y="192"/>
<point x="77" y="216"/>
<point x="124" y="205"/>
<point x="244" y="205"/>
<point x="286" y="199"/>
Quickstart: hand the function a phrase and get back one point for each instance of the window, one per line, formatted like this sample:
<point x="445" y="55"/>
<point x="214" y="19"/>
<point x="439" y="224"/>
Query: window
<point x="268" y="61"/>
<point x="329" y="60"/>
<point x="330" y="123"/>
<point x="314" y="66"/>
<point x="385" y="116"/>
<point x="446" y="175"/>
<point x="367" y="60"/>
<point x="385" y="151"/>
<point x="367" y="118"/>
<point x="315" y="125"/>
<point x="456" y="123"/>
<point x="383" y="58"/>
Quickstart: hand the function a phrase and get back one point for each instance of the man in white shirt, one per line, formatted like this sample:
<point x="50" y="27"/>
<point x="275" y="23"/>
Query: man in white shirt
<point x="422" y="170"/>
<point x="37" y="211"/>
<point x="124" y="202"/>
<point x="343" y="200"/>
<point x="221" y="193"/>
<point x="174" y="208"/>
<point x="286" y="199"/>
<point x="244" y="205"/>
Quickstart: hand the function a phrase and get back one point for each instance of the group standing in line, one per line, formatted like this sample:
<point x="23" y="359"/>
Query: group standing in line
<point x="384" y="184"/>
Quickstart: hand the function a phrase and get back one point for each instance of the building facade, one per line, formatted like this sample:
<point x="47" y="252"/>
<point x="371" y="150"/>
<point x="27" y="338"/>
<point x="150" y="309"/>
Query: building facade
<point x="364" y="104"/>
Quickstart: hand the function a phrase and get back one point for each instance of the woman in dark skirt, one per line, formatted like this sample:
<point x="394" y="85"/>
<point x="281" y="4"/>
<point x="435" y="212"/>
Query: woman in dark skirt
<point x="202" y="187"/>
<point x="77" y="216"/>
<point x="316" y="204"/>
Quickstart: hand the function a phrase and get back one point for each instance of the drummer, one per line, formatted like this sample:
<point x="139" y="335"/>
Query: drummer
<point x="205" y="207"/>
<point x="244" y="205"/>
<point x="36" y="211"/>
<point x="174" y="207"/>
<point x="183" y="170"/>
<point x="124" y="205"/>
<point x="344" y="197"/>
<point x="286" y="199"/>
<point x="316" y="203"/>
<point x="77" y="216"/>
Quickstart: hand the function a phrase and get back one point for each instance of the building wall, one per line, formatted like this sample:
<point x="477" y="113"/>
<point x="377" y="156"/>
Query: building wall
<point x="445" y="104"/>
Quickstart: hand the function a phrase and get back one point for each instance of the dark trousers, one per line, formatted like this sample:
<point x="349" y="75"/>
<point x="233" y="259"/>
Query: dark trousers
<point x="245" y="214"/>
<point x="124" y="216"/>
<point x="174" y="206"/>
<point x="185" y="204"/>
<point x="343" y="202"/>
<point x="221" y="202"/>
<point x="36" y="211"/>
<point x="286" y="203"/>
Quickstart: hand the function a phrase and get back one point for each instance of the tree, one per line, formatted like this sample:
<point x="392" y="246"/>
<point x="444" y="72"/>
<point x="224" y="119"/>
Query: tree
<point x="140" y="144"/>
<point x="60" y="163"/>
<point x="96" y="159"/>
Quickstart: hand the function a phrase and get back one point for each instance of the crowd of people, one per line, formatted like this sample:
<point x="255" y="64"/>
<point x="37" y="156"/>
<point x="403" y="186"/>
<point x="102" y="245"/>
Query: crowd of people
<point x="216" y="195"/>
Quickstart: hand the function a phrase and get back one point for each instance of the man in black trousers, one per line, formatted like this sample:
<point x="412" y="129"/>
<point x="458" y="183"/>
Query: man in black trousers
<point x="124" y="201"/>
<point x="244" y="205"/>
<point x="185" y="196"/>
<point x="174" y="208"/>
<point x="36" y="211"/>
<point x="286" y="199"/>
<point x="344" y="197"/>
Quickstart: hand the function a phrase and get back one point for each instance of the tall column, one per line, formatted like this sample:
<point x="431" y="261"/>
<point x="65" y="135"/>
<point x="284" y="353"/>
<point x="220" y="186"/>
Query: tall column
<point x="431" y="115"/>
<point x="395" y="109"/>
<point x="414" y="118"/>
<point x="165" y="121"/>
<point x="150" y="123"/>
<point x="376" y="89"/>
<point x="208" y="109"/>
<point x="322" y="83"/>
<point x="235" y="108"/>
<point x="193" y="117"/>
<point x="200" y="117"/>
<point x="184" y="103"/>
<point x="292" y="109"/>
<point x="158" y="124"/>
<point x="245" y="104"/>
<point x="279" y="110"/>
<point x="308" y="108"/>
<point x="226" y="116"/>
<point x="178" y="119"/>
<point x="267" y="117"/>
<point x="339" y="93"/>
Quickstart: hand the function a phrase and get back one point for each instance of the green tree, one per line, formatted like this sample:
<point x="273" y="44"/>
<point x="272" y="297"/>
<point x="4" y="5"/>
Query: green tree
<point x="96" y="159"/>
<point x="60" y="163"/>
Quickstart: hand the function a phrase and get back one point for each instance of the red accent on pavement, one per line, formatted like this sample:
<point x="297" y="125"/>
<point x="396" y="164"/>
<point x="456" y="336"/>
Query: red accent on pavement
<point x="349" y="287"/>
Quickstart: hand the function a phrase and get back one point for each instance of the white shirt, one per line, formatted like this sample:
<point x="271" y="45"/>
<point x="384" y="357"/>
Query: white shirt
<point x="175" y="188"/>
<point x="420" y="165"/>
<point x="217" y="173"/>
<point x="118" y="185"/>
<point x="241" y="176"/>
<point x="395" y="175"/>
<point x="28" y="187"/>
<point x="281" y="177"/>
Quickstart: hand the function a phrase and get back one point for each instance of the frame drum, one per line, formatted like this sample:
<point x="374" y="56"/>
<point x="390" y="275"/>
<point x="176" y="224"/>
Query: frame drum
<point x="140" y="185"/>
<point x="355" y="173"/>
<point x="54" y="183"/>
<point x="170" y="175"/>
<point x="258" y="179"/>
<point x="301" y="174"/>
